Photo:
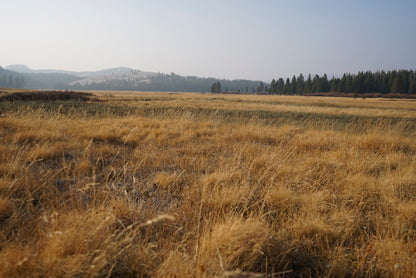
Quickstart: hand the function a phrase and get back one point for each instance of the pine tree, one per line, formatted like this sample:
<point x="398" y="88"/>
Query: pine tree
<point x="348" y="83"/>
<point x="280" y="86"/>
<point x="334" y="84"/>
<point x="392" y="75"/>
<point x="308" y="85"/>
<point x="397" y="87"/>
<point x="341" y="84"/>
<point x="412" y="87"/>
<point x="273" y="88"/>
<point x="324" y="83"/>
<point x="384" y="87"/>
<point x="260" y="88"/>
<point x="368" y="83"/>
<point x="358" y="82"/>
<point x="286" y="90"/>
<point x="216" y="87"/>
<point x="300" y="84"/>
<point x="405" y="78"/>
<point x="219" y="90"/>
<point x="316" y="84"/>
<point x="293" y="86"/>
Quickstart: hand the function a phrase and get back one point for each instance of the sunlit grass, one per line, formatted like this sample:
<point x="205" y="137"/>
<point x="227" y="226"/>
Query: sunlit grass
<point x="192" y="185"/>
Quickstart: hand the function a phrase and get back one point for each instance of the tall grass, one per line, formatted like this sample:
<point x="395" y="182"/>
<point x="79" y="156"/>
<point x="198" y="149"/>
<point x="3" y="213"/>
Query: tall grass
<point x="127" y="187"/>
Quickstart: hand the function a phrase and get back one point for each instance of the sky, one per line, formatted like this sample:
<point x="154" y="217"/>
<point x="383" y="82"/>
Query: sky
<point x="233" y="39"/>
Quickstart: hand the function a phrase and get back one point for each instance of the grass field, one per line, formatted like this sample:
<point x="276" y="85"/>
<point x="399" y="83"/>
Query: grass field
<point x="200" y="185"/>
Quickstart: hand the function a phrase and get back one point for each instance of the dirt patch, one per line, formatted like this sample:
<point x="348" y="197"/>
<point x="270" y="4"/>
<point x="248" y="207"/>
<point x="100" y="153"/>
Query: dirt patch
<point x="49" y="96"/>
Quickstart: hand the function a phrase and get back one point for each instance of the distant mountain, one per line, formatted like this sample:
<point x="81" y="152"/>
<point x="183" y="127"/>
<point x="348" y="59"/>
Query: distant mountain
<point x="38" y="79"/>
<point x="19" y="68"/>
<point x="119" y="70"/>
<point x="26" y="69"/>
<point x="116" y="75"/>
<point x="120" y="79"/>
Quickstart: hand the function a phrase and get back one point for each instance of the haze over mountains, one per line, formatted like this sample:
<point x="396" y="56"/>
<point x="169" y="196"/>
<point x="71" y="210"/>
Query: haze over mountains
<point x="120" y="78"/>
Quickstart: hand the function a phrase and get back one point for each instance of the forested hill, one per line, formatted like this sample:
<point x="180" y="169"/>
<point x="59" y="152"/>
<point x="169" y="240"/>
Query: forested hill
<point x="10" y="79"/>
<point x="118" y="79"/>
<point x="394" y="82"/>
<point x="34" y="80"/>
<point x="401" y="82"/>
<point x="147" y="81"/>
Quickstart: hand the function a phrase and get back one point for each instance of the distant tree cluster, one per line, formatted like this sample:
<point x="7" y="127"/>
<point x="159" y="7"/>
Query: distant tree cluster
<point x="11" y="81"/>
<point x="216" y="88"/>
<point x="397" y="82"/>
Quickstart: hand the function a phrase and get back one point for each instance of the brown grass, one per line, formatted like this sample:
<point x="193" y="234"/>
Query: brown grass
<point x="45" y="96"/>
<point x="182" y="194"/>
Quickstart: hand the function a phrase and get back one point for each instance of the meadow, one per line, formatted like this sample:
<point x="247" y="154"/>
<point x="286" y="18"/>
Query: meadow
<point x="135" y="184"/>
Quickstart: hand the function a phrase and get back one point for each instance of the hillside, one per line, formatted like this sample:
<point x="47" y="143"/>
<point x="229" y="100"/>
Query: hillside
<point x="121" y="79"/>
<point x="10" y="79"/>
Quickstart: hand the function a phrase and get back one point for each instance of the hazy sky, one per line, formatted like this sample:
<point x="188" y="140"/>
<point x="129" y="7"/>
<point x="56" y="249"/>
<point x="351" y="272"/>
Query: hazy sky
<point x="253" y="39"/>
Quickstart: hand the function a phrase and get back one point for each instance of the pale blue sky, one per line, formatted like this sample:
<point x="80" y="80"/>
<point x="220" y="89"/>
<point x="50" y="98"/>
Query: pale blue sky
<point x="253" y="39"/>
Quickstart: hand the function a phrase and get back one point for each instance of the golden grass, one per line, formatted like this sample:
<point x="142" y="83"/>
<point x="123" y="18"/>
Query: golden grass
<point x="180" y="194"/>
<point x="322" y="105"/>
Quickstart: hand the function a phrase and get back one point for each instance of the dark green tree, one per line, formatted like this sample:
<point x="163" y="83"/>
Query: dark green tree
<point x="260" y="88"/>
<point x="300" y="84"/>
<point x="397" y="87"/>
<point x="273" y="89"/>
<point x="348" y="83"/>
<point x="280" y="86"/>
<point x="406" y="79"/>
<point x="384" y="84"/>
<point x="412" y="87"/>
<point x="358" y="83"/>
<point x="333" y="84"/>
<point x="308" y="85"/>
<point x="216" y="87"/>
<point x="324" y="83"/>
<point x="368" y="82"/>
<point x="316" y="84"/>
<point x="293" y="86"/>
<point x="392" y="75"/>
<point x="341" y="84"/>
<point x="286" y="90"/>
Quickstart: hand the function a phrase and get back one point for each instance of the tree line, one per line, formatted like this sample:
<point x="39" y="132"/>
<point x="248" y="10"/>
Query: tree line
<point x="166" y="82"/>
<point x="396" y="82"/>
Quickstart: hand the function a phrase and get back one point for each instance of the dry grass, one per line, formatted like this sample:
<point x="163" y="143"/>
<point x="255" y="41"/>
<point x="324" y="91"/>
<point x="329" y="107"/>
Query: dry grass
<point x="183" y="193"/>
